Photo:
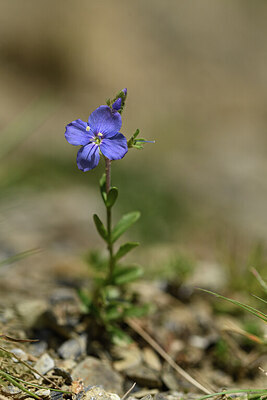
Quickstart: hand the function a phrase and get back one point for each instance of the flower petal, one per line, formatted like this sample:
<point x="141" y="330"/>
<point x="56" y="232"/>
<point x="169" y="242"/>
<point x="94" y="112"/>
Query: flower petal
<point x="105" y="121"/>
<point x="88" y="157"/>
<point x="77" y="134"/>
<point x="115" y="147"/>
<point x="117" y="104"/>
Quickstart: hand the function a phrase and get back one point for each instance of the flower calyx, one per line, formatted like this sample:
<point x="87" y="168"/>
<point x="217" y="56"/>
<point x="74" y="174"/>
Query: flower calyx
<point x="137" y="143"/>
<point x="117" y="104"/>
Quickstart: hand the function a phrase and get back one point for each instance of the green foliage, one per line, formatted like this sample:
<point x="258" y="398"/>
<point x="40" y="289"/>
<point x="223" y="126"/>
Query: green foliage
<point x="240" y="258"/>
<point x="18" y="256"/>
<point x="124" y="275"/>
<point x="124" y="223"/>
<point x="100" y="227"/>
<point x="179" y="267"/>
<point x="102" y="184"/>
<point x="222" y="351"/>
<point x="96" y="260"/>
<point x="125" y="248"/>
<point x="250" y="392"/>
<point x="109" y="302"/>
<point x="251" y="310"/>
<point x="10" y="370"/>
<point x="132" y="140"/>
<point x="112" y="197"/>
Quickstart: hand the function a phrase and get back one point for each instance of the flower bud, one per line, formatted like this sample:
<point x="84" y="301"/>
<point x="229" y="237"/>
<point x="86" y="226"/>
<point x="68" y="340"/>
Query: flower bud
<point x="117" y="104"/>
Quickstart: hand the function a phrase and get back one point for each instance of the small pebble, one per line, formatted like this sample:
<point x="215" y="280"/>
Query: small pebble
<point x="73" y="348"/>
<point x="43" y="393"/>
<point x="44" y="364"/>
<point x="151" y="359"/>
<point x="19" y="353"/>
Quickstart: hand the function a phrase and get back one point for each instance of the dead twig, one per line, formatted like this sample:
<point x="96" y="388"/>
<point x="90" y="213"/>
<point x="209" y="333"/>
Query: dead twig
<point x="128" y="392"/>
<point x="138" y="329"/>
<point x="11" y="339"/>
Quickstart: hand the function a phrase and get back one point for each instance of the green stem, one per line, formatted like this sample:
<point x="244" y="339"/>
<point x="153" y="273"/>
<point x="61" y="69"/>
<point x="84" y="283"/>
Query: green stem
<point x="10" y="379"/>
<point x="109" y="219"/>
<point x="42" y="387"/>
<point x="259" y="391"/>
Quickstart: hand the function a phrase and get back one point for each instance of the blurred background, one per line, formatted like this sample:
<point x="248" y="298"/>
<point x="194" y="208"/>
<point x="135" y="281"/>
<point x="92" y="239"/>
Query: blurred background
<point x="197" y="83"/>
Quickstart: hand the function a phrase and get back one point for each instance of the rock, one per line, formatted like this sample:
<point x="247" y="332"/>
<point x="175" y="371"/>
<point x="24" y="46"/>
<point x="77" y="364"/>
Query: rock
<point x="44" y="364"/>
<point x="67" y="365"/>
<point x="96" y="372"/>
<point x="6" y="315"/>
<point x="30" y="312"/>
<point x="144" y="394"/>
<point x="147" y="397"/>
<point x="64" y="374"/>
<point x="19" y="353"/>
<point x="38" y="348"/>
<point x="151" y="359"/>
<point x="97" y="393"/>
<point x="43" y="393"/>
<point x="144" y="376"/>
<point x="129" y="357"/>
<point x="11" y="389"/>
<point x="73" y="348"/>
<point x="169" y="379"/>
<point x="175" y="395"/>
<point x="209" y="275"/>
<point x="63" y="295"/>
<point x="198" y="341"/>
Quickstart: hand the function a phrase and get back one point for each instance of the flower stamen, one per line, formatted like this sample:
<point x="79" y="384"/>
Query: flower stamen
<point x="97" y="140"/>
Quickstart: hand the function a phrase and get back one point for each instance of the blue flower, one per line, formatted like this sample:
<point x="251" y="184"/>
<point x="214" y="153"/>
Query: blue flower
<point x="100" y="134"/>
<point x="117" y="104"/>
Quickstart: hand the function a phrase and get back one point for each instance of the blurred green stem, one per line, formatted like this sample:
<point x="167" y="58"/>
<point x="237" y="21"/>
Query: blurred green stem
<point x="10" y="379"/>
<point x="109" y="219"/>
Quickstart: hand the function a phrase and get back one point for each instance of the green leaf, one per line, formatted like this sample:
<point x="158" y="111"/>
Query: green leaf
<point x="112" y="197"/>
<point x="127" y="274"/>
<point x="100" y="227"/>
<point x="118" y="336"/>
<point x="132" y="138"/>
<point x="19" y="256"/>
<point x="96" y="260"/>
<point x="125" y="248"/>
<point x="85" y="300"/>
<point x="136" y="133"/>
<point x="136" y="311"/>
<point x="110" y="293"/>
<point x="113" y="313"/>
<point x="102" y="184"/>
<point x="246" y="307"/>
<point x="125" y="222"/>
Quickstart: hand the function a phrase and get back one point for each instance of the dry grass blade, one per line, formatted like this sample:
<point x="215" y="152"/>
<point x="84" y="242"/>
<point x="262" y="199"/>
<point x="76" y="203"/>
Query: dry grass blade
<point x="11" y="339"/>
<point x="231" y="327"/>
<point x="128" y="392"/>
<point x="28" y="366"/>
<point x="246" y="307"/>
<point x="19" y="256"/>
<point x="259" y="279"/>
<point x="138" y="329"/>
